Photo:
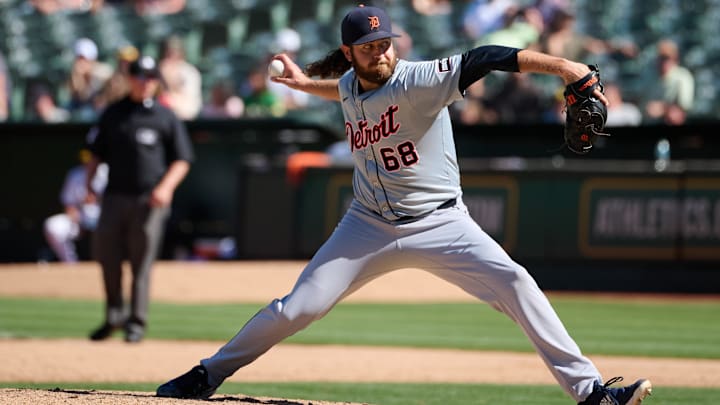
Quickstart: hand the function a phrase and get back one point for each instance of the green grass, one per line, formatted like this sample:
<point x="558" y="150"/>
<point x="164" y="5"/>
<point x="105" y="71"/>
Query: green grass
<point x="615" y="327"/>
<point x="601" y="326"/>
<point x="406" y="394"/>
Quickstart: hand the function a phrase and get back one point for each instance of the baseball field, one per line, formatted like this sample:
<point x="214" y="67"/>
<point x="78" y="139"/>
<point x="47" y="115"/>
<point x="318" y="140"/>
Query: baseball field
<point x="406" y="338"/>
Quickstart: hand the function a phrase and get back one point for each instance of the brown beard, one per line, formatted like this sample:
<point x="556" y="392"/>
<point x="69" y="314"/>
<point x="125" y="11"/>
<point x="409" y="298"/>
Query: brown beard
<point x="378" y="74"/>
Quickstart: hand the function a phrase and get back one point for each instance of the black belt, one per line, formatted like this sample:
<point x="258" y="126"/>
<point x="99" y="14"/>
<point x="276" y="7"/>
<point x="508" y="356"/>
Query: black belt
<point x="447" y="204"/>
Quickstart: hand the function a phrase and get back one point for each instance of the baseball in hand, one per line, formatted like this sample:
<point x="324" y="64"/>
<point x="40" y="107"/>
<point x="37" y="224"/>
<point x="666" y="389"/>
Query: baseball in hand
<point x="276" y="68"/>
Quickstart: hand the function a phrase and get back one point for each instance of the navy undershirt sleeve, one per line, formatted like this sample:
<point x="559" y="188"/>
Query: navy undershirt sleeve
<point x="478" y="62"/>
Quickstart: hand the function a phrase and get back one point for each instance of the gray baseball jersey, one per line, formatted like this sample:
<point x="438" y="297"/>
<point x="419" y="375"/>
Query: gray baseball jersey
<point x="403" y="147"/>
<point x="408" y="213"/>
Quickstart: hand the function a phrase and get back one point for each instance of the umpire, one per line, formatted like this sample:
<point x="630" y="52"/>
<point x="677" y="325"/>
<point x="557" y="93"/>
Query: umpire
<point x="148" y="152"/>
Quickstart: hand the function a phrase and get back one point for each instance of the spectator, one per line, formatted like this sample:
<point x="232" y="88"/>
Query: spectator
<point x="148" y="152"/>
<point x="620" y="112"/>
<point x="404" y="45"/>
<point x="474" y="108"/>
<point x="288" y="41"/>
<point x="117" y="87"/>
<point x="259" y="100"/>
<point x="183" y="83"/>
<point x="521" y="30"/>
<point x="149" y="7"/>
<point x="484" y="16"/>
<point x="100" y="4"/>
<point x="519" y="100"/>
<point x="562" y="39"/>
<point x="87" y="77"/>
<point x="432" y="7"/>
<point x="548" y="8"/>
<point x="556" y="113"/>
<point x="5" y="89"/>
<point x="54" y="6"/>
<point x="43" y="106"/>
<point x="81" y="210"/>
<point x="673" y="98"/>
<point x="223" y="103"/>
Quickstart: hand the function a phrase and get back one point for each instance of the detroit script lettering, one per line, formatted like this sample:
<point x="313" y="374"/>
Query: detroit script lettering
<point x="369" y="135"/>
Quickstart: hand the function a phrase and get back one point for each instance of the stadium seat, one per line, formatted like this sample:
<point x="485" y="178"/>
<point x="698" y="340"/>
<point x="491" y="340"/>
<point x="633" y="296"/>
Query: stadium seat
<point x="224" y="36"/>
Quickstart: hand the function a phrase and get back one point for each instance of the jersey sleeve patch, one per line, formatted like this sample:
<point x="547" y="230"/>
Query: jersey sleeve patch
<point x="444" y="65"/>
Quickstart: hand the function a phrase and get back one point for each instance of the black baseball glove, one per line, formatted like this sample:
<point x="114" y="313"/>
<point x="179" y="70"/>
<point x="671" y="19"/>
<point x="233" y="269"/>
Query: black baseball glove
<point x="585" y="114"/>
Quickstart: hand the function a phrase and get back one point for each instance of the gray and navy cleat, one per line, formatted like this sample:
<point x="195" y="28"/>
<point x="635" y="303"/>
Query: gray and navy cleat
<point x="191" y="385"/>
<point x="629" y="395"/>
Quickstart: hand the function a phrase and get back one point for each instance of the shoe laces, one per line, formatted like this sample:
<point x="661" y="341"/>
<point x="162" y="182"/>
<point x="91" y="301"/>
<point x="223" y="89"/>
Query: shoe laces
<point x="608" y="397"/>
<point x="612" y="381"/>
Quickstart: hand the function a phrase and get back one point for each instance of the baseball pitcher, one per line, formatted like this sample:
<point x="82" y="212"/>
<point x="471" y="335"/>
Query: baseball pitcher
<point x="408" y="209"/>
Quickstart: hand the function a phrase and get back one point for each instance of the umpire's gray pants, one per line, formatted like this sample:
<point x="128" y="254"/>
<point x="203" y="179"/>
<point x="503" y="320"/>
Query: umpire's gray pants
<point x="128" y="229"/>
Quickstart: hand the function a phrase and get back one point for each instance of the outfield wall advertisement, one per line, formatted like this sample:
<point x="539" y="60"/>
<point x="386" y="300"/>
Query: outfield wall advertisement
<point x="650" y="218"/>
<point x="564" y="215"/>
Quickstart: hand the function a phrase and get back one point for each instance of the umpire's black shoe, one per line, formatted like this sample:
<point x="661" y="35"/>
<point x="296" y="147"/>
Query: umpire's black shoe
<point x="103" y="332"/>
<point x="134" y="332"/>
<point x="191" y="385"/>
<point x="134" y="336"/>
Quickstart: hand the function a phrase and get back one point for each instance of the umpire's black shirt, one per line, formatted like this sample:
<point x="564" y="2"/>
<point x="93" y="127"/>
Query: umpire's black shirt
<point x="138" y="141"/>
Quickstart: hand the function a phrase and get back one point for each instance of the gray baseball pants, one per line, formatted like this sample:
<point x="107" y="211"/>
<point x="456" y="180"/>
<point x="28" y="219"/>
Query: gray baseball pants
<point x="447" y="243"/>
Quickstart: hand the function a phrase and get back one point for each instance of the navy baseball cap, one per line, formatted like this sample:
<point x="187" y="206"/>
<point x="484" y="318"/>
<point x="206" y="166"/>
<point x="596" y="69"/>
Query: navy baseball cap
<point x="366" y="24"/>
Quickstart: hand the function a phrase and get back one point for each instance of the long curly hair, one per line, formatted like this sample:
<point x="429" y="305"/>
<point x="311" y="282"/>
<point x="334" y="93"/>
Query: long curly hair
<point x="333" y="65"/>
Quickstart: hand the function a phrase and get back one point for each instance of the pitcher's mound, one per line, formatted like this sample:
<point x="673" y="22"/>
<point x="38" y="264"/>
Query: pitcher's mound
<point x="71" y="396"/>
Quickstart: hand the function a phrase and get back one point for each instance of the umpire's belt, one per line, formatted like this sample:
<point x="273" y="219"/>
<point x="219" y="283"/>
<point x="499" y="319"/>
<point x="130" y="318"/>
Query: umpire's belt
<point x="447" y="204"/>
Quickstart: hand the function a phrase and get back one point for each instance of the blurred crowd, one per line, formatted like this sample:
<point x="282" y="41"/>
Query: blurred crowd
<point x="94" y="79"/>
<point x="550" y="26"/>
<point x="92" y="84"/>
<point x="140" y="6"/>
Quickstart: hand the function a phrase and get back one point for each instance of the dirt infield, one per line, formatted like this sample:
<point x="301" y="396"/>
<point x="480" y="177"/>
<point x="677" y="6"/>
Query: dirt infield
<point x="68" y="360"/>
<point x="212" y="282"/>
<point x="72" y="396"/>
